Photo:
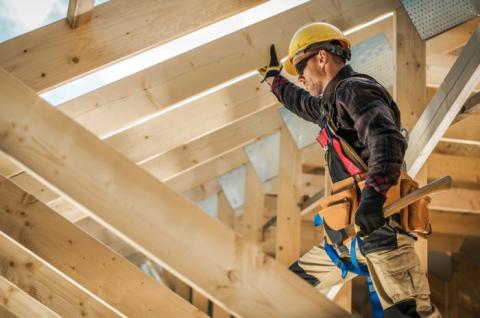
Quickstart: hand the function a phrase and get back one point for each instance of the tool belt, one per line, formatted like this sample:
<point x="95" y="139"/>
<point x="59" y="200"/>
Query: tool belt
<point x="340" y="207"/>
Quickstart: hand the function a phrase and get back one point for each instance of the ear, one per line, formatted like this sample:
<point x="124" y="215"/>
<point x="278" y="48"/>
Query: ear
<point x="322" y="56"/>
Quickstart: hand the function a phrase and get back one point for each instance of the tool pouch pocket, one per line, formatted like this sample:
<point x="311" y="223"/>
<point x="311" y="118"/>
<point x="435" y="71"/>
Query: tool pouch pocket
<point x="415" y="217"/>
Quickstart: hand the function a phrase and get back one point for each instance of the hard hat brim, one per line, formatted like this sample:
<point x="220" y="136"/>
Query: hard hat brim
<point x="290" y="68"/>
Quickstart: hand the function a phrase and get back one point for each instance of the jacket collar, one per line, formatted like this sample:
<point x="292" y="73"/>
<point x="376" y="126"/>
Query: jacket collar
<point x="344" y="72"/>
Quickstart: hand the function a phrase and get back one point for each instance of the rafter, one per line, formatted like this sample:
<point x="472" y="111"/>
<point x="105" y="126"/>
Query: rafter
<point x="35" y="277"/>
<point x="20" y="303"/>
<point x="28" y="125"/>
<point x="71" y="250"/>
<point x="109" y="108"/>
<point x="55" y="54"/>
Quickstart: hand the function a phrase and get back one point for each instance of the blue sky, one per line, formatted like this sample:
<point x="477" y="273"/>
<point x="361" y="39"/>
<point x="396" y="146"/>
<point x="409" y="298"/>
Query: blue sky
<point x="21" y="16"/>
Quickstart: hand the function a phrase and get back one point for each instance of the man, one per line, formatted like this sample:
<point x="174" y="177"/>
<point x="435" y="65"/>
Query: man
<point x="361" y="111"/>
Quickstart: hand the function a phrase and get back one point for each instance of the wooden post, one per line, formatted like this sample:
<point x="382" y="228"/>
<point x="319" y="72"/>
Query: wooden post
<point x="410" y="69"/>
<point x="288" y="210"/>
<point x="254" y="206"/>
<point x="79" y="12"/>
<point x="225" y="212"/>
<point x="421" y="245"/>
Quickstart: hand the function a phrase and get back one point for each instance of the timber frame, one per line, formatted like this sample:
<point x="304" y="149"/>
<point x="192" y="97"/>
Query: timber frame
<point x="95" y="193"/>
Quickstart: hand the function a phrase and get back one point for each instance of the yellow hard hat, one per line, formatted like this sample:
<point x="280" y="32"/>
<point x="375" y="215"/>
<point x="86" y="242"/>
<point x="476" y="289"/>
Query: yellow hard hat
<point x="311" y="34"/>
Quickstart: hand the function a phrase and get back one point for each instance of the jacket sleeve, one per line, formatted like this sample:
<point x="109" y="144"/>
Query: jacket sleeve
<point x="368" y="105"/>
<point x="297" y="100"/>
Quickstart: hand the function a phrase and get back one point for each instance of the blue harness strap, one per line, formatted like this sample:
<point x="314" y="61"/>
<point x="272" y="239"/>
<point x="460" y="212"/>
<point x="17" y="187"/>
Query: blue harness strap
<point x="354" y="267"/>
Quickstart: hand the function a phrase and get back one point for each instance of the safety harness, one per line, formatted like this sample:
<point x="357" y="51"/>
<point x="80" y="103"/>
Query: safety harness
<point x="340" y="167"/>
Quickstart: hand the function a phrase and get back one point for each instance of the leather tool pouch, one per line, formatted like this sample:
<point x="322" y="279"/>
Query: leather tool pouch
<point x="342" y="204"/>
<point x="415" y="217"/>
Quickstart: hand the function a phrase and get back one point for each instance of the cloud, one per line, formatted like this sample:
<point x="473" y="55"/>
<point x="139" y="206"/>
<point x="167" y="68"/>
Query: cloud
<point x="18" y="17"/>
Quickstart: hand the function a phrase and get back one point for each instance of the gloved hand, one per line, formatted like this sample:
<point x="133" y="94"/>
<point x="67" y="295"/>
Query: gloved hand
<point x="369" y="215"/>
<point x="273" y="68"/>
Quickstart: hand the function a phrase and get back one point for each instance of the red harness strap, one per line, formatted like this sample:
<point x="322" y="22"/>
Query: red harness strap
<point x="325" y="139"/>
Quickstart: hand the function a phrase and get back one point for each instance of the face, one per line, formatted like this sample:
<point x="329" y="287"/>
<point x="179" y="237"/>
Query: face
<point x="314" y="74"/>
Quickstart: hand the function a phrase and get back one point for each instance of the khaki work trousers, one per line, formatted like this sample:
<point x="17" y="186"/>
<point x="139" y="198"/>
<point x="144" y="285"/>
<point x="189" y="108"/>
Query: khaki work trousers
<point x="395" y="273"/>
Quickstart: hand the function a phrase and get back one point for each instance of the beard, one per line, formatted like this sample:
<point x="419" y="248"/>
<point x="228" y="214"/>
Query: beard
<point x="314" y="88"/>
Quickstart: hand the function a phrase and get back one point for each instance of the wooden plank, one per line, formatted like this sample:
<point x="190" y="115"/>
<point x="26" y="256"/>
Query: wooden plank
<point x="206" y="148"/>
<point x="410" y="62"/>
<point x="5" y="313"/>
<point x="35" y="277"/>
<point x="198" y="118"/>
<point x="466" y="131"/>
<point x="79" y="12"/>
<point x="253" y="207"/>
<point x="288" y="212"/>
<point x="7" y="167"/>
<point x="72" y="250"/>
<point x="208" y="171"/>
<point x="109" y="108"/>
<point x="438" y="66"/>
<point x="236" y="272"/>
<point x="455" y="223"/>
<point x="225" y="211"/>
<point x="55" y="54"/>
<point x="445" y="105"/>
<point x="200" y="301"/>
<point x="457" y="199"/>
<point x="453" y="39"/>
<point x="20" y="303"/>
<point x="465" y="171"/>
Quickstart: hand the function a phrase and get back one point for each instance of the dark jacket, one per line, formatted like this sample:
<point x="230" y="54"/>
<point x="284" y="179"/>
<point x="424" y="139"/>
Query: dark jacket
<point x="364" y="114"/>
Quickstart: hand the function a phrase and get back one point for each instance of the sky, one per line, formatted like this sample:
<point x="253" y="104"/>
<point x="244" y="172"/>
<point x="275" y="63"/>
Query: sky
<point x="21" y="16"/>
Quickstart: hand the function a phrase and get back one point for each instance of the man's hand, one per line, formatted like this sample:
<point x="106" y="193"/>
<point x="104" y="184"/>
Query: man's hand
<point x="273" y="68"/>
<point x="369" y="215"/>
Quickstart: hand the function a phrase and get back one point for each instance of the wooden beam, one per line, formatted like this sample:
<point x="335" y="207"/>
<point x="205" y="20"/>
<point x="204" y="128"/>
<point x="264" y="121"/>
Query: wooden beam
<point x="235" y="272"/>
<point x="55" y="54"/>
<point x="466" y="131"/>
<point x="109" y="108"/>
<point x="288" y="212"/>
<point x="254" y="206"/>
<point x="457" y="199"/>
<point x="195" y="119"/>
<point x="225" y="211"/>
<point x="452" y="39"/>
<point x="209" y="170"/>
<point x="445" y="105"/>
<point x="20" y="303"/>
<point x="455" y="223"/>
<point x="197" y="151"/>
<point x="472" y="105"/>
<point x="438" y="66"/>
<point x="465" y="171"/>
<point x="410" y="62"/>
<point x="71" y="250"/>
<point x="79" y="12"/>
<point x="35" y="277"/>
